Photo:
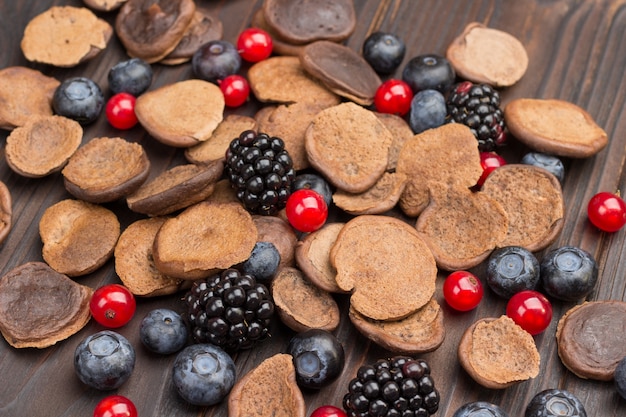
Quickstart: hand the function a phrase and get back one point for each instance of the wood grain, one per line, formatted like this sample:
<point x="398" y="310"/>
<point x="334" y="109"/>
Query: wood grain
<point x="576" y="51"/>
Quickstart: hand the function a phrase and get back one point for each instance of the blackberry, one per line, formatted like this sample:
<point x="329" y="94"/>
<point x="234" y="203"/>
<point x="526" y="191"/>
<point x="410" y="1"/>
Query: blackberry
<point x="261" y="170"/>
<point x="477" y="106"/>
<point x="396" y="387"/>
<point x="230" y="310"/>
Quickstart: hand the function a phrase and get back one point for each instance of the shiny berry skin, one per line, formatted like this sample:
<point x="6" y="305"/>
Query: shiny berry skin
<point x="133" y="76"/>
<point x="462" y="290"/>
<point x="115" y="406"/>
<point x="568" y="273"/>
<point x="112" y="305"/>
<point x="306" y="210"/>
<point x="78" y="98"/>
<point x="480" y="409"/>
<point x="393" y="96"/>
<point x="316" y="183"/>
<point x="328" y="411"/>
<point x="318" y="358"/>
<point x="555" y="403"/>
<point x="607" y="211"/>
<point x="428" y="111"/>
<point x="531" y="310"/>
<point x="489" y="161"/>
<point x="429" y="72"/>
<point x="383" y="51"/>
<point x="215" y="60"/>
<point x="550" y="163"/>
<point x="235" y="89"/>
<point x="254" y="44"/>
<point x="511" y="269"/>
<point x="120" y="111"/>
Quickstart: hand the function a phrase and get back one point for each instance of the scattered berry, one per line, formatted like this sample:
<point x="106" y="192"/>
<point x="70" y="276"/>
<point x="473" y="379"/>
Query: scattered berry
<point x="328" y="411"/>
<point x="462" y="290"/>
<point x="619" y="378"/>
<point x="397" y="386"/>
<point x="383" y="51"/>
<point x="428" y="110"/>
<point x="306" y="210"/>
<point x="568" y="273"/>
<point x="316" y="183"/>
<point x="531" y="310"/>
<point x="120" y="111"/>
<point x="555" y="403"/>
<point x="477" y="106"/>
<point x="78" y="98"/>
<point x="263" y="261"/>
<point x="133" y="76"/>
<point x="203" y="374"/>
<point x="429" y="72"/>
<point x="112" y="305"/>
<point x="254" y="44"/>
<point x="548" y="162"/>
<point x="394" y="97"/>
<point x="512" y="269"/>
<point x="480" y="409"/>
<point x="215" y="60"/>
<point x="261" y="171"/>
<point x="607" y="211"/>
<point x="230" y="310"/>
<point x="489" y="161"/>
<point x="318" y="357"/>
<point x="104" y="360"/>
<point x="235" y="89"/>
<point x="163" y="331"/>
<point x="115" y="406"/>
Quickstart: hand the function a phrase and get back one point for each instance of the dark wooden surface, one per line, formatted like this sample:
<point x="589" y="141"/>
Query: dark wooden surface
<point x="577" y="53"/>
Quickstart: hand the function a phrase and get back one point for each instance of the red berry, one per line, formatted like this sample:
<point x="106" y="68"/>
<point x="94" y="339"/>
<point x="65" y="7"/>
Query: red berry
<point x="462" y="290"/>
<point x="112" y="305"/>
<point x="328" y="411"/>
<point x="235" y="89"/>
<point x="306" y="210"/>
<point x="489" y="161"/>
<point x="254" y="45"/>
<point x="120" y="111"/>
<point x="531" y="310"/>
<point x="393" y="96"/>
<point x="607" y="211"/>
<point x="115" y="406"/>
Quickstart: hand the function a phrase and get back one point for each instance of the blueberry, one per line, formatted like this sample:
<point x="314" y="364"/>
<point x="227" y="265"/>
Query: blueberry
<point x="555" y="403"/>
<point x="430" y="71"/>
<point x="548" y="162"/>
<point x="512" y="269"/>
<point x="619" y="378"/>
<point x="318" y="357"/>
<point x="480" y="409"/>
<point x="203" y="374"/>
<point x="104" y="360"/>
<point x="383" y="51"/>
<point x="133" y="76"/>
<point x="163" y="331"/>
<point x="216" y="60"/>
<point x="428" y="110"/>
<point x="78" y="98"/>
<point x="568" y="273"/>
<point x="263" y="261"/>
<point x="316" y="183"/>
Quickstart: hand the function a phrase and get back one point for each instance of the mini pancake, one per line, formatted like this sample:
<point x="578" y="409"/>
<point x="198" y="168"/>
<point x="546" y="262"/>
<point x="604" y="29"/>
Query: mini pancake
<point x="381" y="197"/>
<point x="204" y="27"/>
<point x="279" y="232"/>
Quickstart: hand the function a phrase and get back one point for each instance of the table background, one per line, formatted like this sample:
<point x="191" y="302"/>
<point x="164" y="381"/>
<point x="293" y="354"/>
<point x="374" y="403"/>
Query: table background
<point x="577" y="53"/>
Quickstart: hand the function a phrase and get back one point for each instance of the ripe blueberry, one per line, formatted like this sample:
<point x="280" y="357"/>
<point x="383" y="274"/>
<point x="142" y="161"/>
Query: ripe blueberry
<point x="216" y="60"/>
<point x="555" y="403"/>
<point x="619" y="376"/>
<point x="104" y="360"/>
<point x="511" y="269"/>
<point x="383" y="51"/>
<point x="429" y="72"/>
<point x="318" y="357"/>
<point x="479" y="409"/>
<point x="549" y="162"/>
<point x="263" y="261"/>
<point x="428" y="110"/>
<point x="78" y="98"/>
<point x="163" y="331"/>
<point x="316" y="183"/>
<point x="568" y="273"/>
<point x="132" y="76"/>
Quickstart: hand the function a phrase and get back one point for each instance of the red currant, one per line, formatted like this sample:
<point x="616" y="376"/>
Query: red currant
<point x="235" y="89"/>
<point x="306" y="210"/>
<point x="531" y="310"/>
<point x="112" y="305"/>
<point x="489" y="161"/>
<point x="254" y="44"/>
<point x="120" y="111"/>
<point x="328" y="411"/>
<point x="462" y="290"/>
<point x="115" y="406"/>
<point x="393" y="96"/>
<point x="607" y="211"/>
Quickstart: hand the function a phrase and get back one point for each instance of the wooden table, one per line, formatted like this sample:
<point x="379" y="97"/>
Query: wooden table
<point x="577" y="53"/>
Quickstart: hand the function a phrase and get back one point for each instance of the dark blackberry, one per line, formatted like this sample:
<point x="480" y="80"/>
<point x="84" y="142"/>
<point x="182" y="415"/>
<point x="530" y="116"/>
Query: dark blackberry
<point x="477" y="106"/>
<point x="261" y="171"/>
<point x="230" y="310"/>
<point x="399" y="386"/>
